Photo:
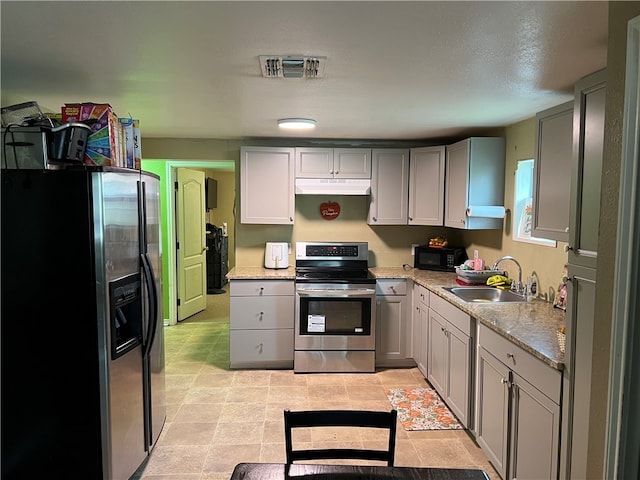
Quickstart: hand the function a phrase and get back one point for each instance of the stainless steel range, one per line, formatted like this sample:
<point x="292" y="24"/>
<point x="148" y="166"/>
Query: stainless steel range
<point x="335" y="308"/>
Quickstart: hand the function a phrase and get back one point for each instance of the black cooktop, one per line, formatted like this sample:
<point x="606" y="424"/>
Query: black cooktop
<point x="333" y="275"/>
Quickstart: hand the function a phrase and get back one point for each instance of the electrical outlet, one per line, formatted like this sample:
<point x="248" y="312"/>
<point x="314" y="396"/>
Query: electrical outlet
<point x="413" y="248"/>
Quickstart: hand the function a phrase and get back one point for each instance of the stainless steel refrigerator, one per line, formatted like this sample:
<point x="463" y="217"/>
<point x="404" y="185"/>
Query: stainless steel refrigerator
<point x="83" y="387"/>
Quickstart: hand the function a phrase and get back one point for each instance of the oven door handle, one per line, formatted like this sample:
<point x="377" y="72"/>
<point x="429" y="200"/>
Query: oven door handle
<point x="360" y="292"/>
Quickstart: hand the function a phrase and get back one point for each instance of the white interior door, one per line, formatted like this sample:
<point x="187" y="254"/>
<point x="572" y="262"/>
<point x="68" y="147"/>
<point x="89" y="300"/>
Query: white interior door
<point x="191" y="243"/>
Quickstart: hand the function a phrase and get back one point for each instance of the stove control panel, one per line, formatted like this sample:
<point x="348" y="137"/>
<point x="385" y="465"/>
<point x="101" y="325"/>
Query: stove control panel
<point x="332" y="251"/>
<point x="320" y="250"/>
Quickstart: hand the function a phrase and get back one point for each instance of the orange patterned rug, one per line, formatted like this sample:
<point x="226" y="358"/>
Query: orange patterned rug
<point x="421" y="409"/>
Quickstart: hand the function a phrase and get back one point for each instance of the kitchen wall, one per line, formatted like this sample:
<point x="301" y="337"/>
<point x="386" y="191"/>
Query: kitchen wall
<point x="389" y="245"/>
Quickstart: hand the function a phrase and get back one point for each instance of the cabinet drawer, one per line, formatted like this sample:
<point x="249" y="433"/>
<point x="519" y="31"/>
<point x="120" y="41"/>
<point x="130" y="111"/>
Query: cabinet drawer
<point x="261" y="287"/>
<point x="535" y="371"/>
<point x="453" y="314"/>
<point x="261" y="347"/>
<point x="261" y="312"/>
<point x="391" y="286"/>
<point x="420" y="295"/>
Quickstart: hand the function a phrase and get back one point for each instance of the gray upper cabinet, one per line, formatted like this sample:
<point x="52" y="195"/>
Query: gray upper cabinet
<point x="333" y="162"/>
<point x="389" y="187"/>
<point x="588" y="142"/>
<point x="474" y="176"/>
<point x="552" y="172"/>
<point x="267" y="185"/>
<point x="426" y="186"/>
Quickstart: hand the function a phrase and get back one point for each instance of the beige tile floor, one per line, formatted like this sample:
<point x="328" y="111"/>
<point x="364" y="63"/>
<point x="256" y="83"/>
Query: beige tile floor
<point x="218" y="417"/>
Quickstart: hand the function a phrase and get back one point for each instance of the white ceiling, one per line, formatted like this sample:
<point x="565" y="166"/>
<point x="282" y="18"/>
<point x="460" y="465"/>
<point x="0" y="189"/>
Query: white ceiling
<point x="395" y="70"/>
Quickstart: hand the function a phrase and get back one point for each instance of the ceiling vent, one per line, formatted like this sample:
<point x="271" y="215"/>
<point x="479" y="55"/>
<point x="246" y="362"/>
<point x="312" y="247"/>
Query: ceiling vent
<point x="292" y="66"/>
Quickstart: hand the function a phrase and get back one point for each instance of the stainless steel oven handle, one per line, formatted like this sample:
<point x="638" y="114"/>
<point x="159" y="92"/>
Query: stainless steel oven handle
<point x="361" y="292"/>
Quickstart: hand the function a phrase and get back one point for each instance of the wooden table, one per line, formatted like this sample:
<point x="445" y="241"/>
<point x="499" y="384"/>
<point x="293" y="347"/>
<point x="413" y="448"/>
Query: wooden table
<point x="277" y="471"/>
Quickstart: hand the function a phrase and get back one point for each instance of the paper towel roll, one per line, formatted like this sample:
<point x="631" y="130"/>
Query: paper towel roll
<point x="486" y="211"/>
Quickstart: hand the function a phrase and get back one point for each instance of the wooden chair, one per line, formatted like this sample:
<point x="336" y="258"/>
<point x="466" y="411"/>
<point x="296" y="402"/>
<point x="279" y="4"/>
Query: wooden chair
<point x="340" y="418"/>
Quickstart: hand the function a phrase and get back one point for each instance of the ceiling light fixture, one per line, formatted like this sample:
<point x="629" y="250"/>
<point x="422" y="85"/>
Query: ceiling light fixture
<point x="297" y="123"/>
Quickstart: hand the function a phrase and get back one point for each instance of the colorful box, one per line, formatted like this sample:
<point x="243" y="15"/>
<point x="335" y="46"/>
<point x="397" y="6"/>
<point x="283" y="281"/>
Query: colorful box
<point x="105" y="142"/>
<point x="127" y="124"/>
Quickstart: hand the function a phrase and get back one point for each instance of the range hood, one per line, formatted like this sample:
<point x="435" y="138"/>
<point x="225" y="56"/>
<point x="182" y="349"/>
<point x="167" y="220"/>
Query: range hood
<point x="332" y="186"/>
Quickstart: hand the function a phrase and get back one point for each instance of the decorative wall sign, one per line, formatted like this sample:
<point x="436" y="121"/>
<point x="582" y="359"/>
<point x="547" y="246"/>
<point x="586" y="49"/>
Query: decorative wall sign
<point x="330" y="210"/>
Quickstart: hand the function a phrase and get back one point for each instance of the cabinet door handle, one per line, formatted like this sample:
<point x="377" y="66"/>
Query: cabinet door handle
<point x="291" y="219"/>
<point x="568" y="248"/>
<point x="337" y="172"/>
<point x="374" y="219"/>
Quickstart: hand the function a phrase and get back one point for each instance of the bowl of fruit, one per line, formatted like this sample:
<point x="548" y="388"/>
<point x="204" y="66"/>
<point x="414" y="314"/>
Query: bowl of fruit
<point x="438" y="242"/>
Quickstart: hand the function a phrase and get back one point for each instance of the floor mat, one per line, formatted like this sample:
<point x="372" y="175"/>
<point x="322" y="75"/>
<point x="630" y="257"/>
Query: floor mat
<point x="421" y="409"/>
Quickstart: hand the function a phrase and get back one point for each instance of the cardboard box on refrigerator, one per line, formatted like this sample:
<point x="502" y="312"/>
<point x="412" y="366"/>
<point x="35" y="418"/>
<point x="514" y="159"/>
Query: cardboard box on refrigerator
<point x="127" y="124"/>
<point x="105" y="142"/>
<point x="137" y="145"/>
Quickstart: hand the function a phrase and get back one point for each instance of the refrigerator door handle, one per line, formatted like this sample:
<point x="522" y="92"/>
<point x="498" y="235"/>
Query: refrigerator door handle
<point x="142" y="216"/>
<point x="153" y="303"/>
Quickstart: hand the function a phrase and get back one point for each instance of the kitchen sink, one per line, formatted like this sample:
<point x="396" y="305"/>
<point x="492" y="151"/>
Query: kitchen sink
<point x="485" y="295"/>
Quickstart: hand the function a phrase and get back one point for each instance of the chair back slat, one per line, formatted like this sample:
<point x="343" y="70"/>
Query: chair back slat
<point x="341" y="418"/>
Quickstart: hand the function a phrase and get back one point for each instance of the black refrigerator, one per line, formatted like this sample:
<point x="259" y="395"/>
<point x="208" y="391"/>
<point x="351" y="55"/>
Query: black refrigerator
<point x="83" y="386"/>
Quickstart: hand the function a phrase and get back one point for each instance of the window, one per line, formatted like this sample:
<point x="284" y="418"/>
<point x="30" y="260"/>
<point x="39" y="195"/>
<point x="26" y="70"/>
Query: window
<point x="523" y="206"/>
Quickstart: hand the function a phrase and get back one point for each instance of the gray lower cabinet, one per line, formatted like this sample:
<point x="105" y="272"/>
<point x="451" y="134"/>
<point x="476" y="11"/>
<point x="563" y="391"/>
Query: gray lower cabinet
<point x="393" y="333"/>
<point x="517" y="409"/>
<point x="420" y="327"/>
<point x="449" y="352"/>
<point x="580" y="321"/>
<point x="261" y="323"/>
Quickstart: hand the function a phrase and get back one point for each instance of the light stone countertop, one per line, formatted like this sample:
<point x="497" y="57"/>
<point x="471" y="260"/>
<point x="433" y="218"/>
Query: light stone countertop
<point x="531" y="326"/>
<point x="261" y="273"/>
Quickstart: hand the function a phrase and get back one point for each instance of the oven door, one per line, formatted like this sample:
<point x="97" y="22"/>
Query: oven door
<point x="340" y="317"/>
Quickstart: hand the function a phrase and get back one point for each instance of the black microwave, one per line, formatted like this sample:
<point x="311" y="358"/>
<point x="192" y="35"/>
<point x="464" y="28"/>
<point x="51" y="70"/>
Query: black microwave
<point x="443" y="259"/>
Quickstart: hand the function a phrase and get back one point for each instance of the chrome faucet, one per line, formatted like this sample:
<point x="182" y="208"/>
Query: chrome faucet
<point x="518" y="287"/>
